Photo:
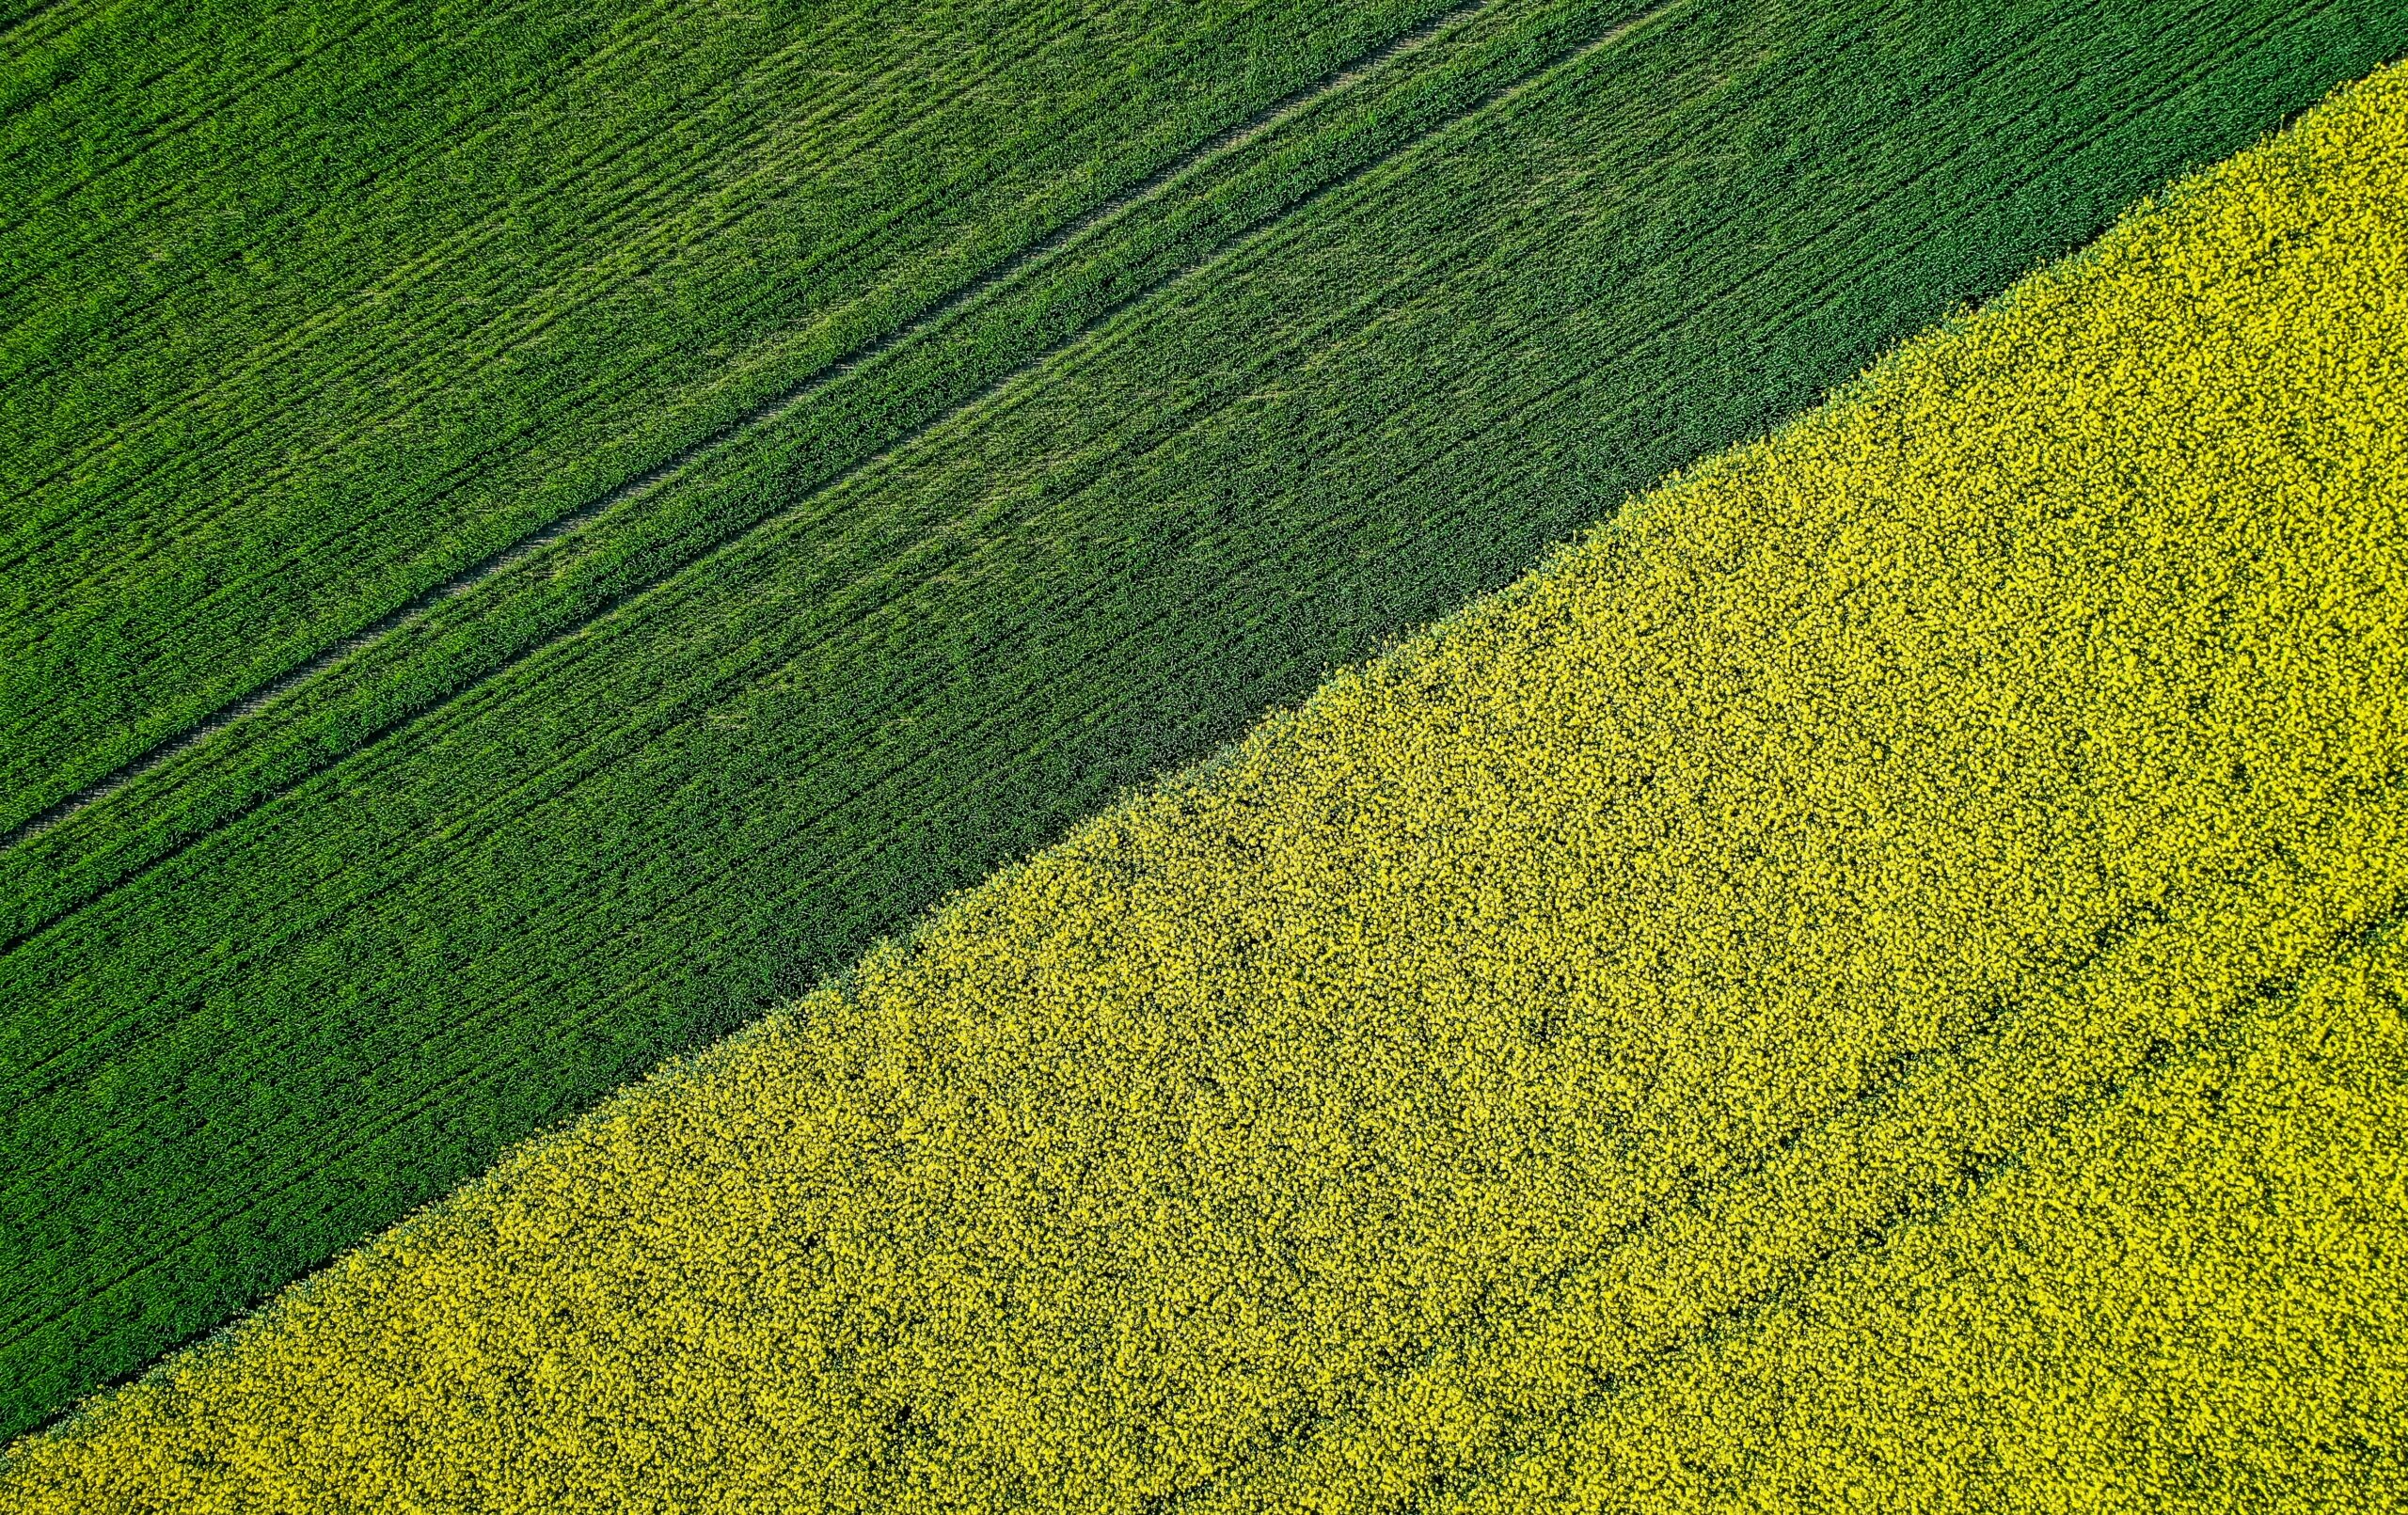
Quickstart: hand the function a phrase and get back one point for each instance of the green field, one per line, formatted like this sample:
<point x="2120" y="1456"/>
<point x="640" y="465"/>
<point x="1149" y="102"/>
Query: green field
<point x="1874" y="980"/>
<point x="932" y="446"/>
<point x="308" y="312"/>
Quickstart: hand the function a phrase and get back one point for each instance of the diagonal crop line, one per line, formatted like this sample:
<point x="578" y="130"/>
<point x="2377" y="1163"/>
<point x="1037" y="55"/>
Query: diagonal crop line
<point x="769" y="411"/>
<point x="191" y="120"/>
<point x="1509" y="89"/>
<point x="659" y="719"/>
<point x="764" y="414"/>
<point x="1936" y="1204"/>
<point x="1559" y="386"/>
<point x="679" y="710"/>
<point x="1891" y="1084"/>
<point x="742" y="191"/>
<point x="21" y="17"/>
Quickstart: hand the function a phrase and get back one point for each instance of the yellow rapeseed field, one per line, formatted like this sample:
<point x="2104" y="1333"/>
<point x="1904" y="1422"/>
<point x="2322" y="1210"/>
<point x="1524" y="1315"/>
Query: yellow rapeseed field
<point x="2188" y="1298"/>
<point x="1871" y="982"/>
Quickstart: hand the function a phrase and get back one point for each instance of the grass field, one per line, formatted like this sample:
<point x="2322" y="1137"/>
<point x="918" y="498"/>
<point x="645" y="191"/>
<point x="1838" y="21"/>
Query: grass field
<point x="1874" y="979"/>
<point x="888" y="573"/>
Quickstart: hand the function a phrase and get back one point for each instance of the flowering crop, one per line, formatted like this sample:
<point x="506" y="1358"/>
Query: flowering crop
<point x="1872" y="975"/>
<point x="1305" y="385"/>
<point x="2187" y="1297"/>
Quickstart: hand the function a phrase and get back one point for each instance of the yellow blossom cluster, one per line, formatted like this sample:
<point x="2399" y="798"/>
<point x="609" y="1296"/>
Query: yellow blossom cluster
<point x="1870" y="982"/>
<point x="2188" y="1296"/>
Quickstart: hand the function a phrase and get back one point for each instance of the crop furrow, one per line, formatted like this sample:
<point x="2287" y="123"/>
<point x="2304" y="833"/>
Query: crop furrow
<point x="462" y="318"/>
<point x="766" y="414"/>
<point x="180" y="126"/>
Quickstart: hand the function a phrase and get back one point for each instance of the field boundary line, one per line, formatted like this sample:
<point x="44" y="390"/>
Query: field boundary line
<point x="1658" y="333"/>
<point x="1518" y="87"/>
<point x="1246" y="239"/>
<point x="769" y="411"/>
<point x="393" y="1118"/>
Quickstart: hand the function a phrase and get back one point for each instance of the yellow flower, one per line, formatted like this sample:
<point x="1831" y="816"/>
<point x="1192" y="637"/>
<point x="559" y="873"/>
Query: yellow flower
<point x="1866" y="982"/>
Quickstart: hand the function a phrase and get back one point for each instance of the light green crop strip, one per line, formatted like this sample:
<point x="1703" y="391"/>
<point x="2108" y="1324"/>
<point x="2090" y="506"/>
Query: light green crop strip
<point x="1484" y="1058"/>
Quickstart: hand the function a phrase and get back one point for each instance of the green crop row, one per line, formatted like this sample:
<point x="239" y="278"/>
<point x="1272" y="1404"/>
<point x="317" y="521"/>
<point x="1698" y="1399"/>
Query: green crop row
<point x="1830" y="986"/>
<point x="380" y="294"/>
<point x="250" y="1045"/>
<point x="854" y="416"/>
